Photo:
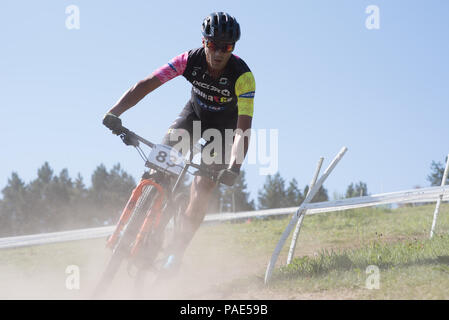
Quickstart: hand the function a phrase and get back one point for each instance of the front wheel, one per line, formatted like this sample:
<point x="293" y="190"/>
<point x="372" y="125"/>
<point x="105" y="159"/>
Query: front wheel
<point x="123" y="246"/>
<point x="109" y="272"/>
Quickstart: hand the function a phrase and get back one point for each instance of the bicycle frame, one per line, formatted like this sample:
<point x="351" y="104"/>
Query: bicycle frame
<point x="154" y="213"/>
<point x="155" y="209"/>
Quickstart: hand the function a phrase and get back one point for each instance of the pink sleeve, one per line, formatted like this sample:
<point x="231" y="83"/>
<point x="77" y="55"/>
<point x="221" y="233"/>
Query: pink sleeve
<point x="175" y="67"/>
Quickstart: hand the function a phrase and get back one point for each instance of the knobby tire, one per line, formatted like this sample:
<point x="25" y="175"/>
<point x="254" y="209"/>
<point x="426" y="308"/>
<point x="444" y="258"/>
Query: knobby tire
<point x="123" y="245"/>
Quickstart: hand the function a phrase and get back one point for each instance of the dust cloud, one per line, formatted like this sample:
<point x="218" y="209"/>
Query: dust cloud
<point x="209" y="271"/>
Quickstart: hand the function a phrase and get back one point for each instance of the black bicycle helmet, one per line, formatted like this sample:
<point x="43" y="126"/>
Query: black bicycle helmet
<point x="220" y="26"/>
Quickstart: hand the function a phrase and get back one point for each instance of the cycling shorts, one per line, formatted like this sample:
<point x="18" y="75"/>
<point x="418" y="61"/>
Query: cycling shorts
<point x="188" y="129"/>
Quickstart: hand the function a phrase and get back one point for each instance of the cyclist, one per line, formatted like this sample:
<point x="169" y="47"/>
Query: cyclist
<point x="222" y="98"/>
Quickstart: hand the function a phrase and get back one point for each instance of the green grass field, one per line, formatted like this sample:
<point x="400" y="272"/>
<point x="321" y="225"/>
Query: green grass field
<point x="332" y="255"/>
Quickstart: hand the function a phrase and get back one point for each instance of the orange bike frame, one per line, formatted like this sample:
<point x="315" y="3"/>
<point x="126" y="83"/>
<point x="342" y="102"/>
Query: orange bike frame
<point x="153" y="214"/>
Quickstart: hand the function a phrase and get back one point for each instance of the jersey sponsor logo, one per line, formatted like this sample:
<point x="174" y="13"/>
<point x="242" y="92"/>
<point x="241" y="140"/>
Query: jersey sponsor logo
<point x="223" y="81"/>
<point x="210" y="97"/>
<point x="247" y="95"/>
<point x="196" y="70"/>
<point x="209" y="107"/>
<point x="203" y="85"/>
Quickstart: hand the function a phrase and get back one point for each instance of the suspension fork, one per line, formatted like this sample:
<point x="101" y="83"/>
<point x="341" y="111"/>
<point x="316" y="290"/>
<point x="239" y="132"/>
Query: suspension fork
<point x="131" y="204"/>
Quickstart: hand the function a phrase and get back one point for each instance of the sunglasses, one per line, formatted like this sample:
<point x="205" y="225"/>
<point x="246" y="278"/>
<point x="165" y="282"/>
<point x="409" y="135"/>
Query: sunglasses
<point x="224" y="47"/>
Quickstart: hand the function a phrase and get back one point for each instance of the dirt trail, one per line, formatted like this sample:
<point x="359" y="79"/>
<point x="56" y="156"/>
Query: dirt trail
<point x="212" y="269"/>
<point x="208" y="273"/>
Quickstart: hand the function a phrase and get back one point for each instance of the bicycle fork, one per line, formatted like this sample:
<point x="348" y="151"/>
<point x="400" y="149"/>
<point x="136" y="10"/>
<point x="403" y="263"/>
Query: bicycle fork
<point x="152" y="215"/>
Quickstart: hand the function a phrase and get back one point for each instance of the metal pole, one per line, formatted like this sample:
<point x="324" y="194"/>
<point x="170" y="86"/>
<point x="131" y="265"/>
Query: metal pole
<point x="437" y="208"/>
<point x="298" y="213"/>
<point x="291" y="251"/>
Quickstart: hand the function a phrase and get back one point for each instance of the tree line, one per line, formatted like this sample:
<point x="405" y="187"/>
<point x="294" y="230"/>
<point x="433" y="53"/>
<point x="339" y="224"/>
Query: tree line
<point x="55" y="202"/>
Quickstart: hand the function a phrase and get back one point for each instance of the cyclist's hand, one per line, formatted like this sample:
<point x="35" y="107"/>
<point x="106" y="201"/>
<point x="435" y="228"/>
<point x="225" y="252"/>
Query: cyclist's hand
<point x="112" y="122"/>
<point x="228" y="176"/>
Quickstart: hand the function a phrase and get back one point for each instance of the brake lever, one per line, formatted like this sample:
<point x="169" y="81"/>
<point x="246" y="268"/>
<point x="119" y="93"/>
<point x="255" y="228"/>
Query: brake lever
<point x="129" y="138"/>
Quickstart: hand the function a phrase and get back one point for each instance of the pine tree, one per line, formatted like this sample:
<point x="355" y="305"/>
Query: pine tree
<point x="40" y="199"/>
<point x="236" y="197"/>
<point x="273" y="192"/>
<point x="358" y="190"/>
<point x="436" y="174"/>
<point x="110" y="192"/>
<point x="82" y="215"/>
<point x="56" y="202"/>
<point x="293" y="196"/>
<point x="350" y="190"/>
<point x="14" y="208"/>
<point x="79" y="186"/>
<point x="320" y="196"/>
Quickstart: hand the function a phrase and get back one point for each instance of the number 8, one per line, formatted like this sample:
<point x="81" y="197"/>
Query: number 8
<point x="161" y="156"/>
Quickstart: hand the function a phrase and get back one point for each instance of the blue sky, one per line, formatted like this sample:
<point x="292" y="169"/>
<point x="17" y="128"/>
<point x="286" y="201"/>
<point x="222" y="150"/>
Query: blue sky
<point x="323" y="80"/>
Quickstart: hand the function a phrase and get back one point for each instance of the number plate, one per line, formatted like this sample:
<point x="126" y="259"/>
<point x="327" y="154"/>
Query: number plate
<point x="166" y="158"/>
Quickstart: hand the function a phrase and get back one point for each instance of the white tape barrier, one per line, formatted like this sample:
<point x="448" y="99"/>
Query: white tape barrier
<point x="53" y="237"/>
<point x="419" y="195"/>
<point x="430" y="194"/>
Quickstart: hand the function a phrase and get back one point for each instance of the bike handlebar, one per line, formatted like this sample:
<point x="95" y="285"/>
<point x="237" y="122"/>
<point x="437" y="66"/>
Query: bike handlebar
<point x="131" y="138"/>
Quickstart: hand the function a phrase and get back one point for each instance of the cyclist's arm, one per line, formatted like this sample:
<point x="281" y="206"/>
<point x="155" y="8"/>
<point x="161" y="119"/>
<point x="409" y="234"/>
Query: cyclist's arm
<point x="135" y="94"/>
<point x="245" y="88"/>
<point x="241" y="141"/>
<point x="170" y="70"/>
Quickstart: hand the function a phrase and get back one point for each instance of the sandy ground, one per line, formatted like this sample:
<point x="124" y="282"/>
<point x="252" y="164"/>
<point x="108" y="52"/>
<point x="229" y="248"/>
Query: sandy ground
<point x="209" y="271"/>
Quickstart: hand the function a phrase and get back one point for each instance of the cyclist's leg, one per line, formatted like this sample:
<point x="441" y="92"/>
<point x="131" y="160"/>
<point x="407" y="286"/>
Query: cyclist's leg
<point x="182" y="125"/>
<point x="202" y="190"/>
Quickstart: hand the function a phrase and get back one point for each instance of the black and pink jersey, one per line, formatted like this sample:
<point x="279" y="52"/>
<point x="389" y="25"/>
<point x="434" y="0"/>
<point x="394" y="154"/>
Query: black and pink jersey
<point x="230" y="95"/>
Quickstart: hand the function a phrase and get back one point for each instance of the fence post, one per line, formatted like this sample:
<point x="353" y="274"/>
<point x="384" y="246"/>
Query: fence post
<point x="298" y="213"/>
<point x="291" y="251"/>
<point x="437" y="207"/>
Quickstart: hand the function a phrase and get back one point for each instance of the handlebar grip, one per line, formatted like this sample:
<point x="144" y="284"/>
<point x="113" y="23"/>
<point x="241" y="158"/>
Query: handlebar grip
<point x="123" y="130"/>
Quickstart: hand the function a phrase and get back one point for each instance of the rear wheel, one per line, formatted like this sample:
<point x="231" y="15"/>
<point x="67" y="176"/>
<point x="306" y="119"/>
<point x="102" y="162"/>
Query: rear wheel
<point x="173" y="228"/>
<point x="160" y="240"/>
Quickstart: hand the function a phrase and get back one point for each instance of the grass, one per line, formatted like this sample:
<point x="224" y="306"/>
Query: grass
<point x="395" y="241"/>
<point x="383" y="255"/>
<point x="333" y="251"/>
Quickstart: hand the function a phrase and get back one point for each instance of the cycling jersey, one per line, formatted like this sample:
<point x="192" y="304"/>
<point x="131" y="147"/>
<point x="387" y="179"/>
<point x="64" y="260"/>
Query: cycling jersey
<point x="213" y="100"/>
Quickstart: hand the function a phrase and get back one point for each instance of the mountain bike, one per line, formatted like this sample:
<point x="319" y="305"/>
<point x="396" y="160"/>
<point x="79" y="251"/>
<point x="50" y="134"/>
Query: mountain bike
<point x="151" y="217"/>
